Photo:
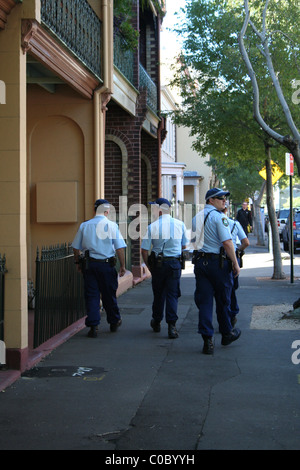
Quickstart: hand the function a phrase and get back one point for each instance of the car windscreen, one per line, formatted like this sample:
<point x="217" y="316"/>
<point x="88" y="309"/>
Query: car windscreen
<point x="283" y="214"/>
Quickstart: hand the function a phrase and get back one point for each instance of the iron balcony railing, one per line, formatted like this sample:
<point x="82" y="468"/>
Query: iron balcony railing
<point x="124" y="61"/>
<point x="147" y="82"/>
<point x="123" y="57"/>
<point x="2" y="290"/>
<point x="77" y="26"/>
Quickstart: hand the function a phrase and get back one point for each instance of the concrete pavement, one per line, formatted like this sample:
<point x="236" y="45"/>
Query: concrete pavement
<point x="138" y="390"/>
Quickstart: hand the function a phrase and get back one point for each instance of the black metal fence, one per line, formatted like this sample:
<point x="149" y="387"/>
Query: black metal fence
<point x="2" y="288"/>
<point x="59" y="297"/>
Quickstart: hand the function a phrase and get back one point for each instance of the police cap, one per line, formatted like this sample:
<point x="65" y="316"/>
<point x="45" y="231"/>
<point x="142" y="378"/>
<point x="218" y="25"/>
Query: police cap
<point x="101" y="202"/>
<point x="160" y="201"/>
<point x="216" y="192"/>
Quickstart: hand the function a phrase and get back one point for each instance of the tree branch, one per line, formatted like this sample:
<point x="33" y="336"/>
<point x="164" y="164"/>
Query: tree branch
<point x="253" y="79"/>
<point x="293" y="145"/>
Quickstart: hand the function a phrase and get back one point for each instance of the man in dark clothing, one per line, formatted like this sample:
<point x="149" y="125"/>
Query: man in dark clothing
<point x="244" y="217"/>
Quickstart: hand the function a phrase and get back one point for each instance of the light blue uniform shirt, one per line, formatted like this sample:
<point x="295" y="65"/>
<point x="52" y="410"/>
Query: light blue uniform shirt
<point x="166" y="235"/>
<point x="100" y="236"/>
<point x="237" y="232"/>
<point x="209" y="237"/>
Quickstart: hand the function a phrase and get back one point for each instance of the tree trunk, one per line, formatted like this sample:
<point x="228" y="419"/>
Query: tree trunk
<point x="278" y="272"/>
<point x="259" y="229"/>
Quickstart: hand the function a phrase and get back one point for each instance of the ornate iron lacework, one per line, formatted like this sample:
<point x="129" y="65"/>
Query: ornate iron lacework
<point x="78" y="27"/>
<point x="147" y="82"/>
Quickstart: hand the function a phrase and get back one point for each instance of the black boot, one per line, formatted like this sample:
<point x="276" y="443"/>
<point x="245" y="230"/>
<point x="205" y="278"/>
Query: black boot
<point x="155" y="325"/>
<point x="208" y="346"/>
<point x="230" y="337"/>
<point x="115" y="326"/>
<point x="172" y="332"/>
<point x="93" y="332"/>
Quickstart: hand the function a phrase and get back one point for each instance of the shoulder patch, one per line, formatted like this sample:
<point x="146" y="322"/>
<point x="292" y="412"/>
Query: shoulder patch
<point x="225" y="221"/>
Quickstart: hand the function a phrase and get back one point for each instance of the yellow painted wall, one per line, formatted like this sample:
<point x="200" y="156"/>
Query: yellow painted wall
<point x="45" y="140"/>
<point x="13" y="181"/>
<point x="60" y="150"/>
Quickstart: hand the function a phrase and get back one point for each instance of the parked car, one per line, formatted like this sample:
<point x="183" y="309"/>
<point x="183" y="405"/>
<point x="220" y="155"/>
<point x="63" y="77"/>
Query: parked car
<point x="281" y="220"/>
<point x="296" y="232"/>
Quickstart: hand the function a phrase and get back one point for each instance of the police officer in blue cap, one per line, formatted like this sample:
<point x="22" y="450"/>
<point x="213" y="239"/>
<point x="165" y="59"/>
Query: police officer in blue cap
<point x="166" y="237"/>
<point x="214" y="262"/>
<point x="100" y="240"/>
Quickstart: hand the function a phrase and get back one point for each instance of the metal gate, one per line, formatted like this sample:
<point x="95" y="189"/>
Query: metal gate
<point x="59" y="297"/>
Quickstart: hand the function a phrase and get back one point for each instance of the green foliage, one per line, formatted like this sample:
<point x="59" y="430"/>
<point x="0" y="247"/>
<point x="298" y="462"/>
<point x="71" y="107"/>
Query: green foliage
<point x="123" y="14"/>
<point x="216" y="91"/>
<point x="241" y="180"/>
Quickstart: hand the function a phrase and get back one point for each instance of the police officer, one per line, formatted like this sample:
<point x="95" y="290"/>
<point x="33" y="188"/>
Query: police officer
<point x="214" y="259"/>
<point x="100" y="239"/>
<point x="240" y="243"/>
<point x="167" y="238"/>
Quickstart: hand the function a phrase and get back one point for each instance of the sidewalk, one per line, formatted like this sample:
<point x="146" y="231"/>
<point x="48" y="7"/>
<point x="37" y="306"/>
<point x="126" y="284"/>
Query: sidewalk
<point x="136" y="389"/>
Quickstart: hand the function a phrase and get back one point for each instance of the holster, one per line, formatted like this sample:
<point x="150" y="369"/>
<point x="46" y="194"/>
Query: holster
<point x="84" y="261"/>
<point x="182" y="260"/>
<point x="222" y="256"/>
<point x="113" y="261"/>
<point x="239" y="255"/>
<point x="159" y="260"/>
<point x="151" y="260"/>
<point x="195" y="256"/>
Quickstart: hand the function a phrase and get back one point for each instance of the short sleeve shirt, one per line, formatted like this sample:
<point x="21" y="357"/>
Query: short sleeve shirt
<point x="166" y="235"/>
<point x="209" y="236"/>
<point x="237" y="232"/>
<point x="100" y="236"/>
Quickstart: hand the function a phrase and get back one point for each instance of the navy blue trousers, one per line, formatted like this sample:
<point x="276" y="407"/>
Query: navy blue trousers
<point x="213" y="282"/>
<point x="101" y="279"/>
<point x="166" y="290"/>
<point x="234" y="307"/>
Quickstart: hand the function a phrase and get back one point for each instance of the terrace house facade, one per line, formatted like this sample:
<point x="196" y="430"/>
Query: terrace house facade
<point x="74" y="127"/>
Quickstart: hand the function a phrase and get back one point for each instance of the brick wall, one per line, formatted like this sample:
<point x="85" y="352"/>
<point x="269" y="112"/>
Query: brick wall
<point x="126" y="129"/>
<point x="113" y="173"/>
<point x="150" y="151"/>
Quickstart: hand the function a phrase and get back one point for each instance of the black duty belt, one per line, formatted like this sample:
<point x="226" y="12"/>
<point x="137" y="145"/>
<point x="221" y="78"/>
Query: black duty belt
<point x="171" y="257"/>
<point x="203" y="254"/>
<point x="107" y="260"/>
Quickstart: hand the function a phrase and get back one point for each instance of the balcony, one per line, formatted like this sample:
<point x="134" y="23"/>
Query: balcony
<point x="78" y="27"/>
<point x="147" y="82"/>
<point x="124" y="62"/>
<point x="123" y="57"/>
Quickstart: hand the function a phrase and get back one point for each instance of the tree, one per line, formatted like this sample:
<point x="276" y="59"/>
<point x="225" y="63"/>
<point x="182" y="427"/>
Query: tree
<point x="272" y="39"/>
<point x="217" y="93"/>
<point x="266" y="41"/>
